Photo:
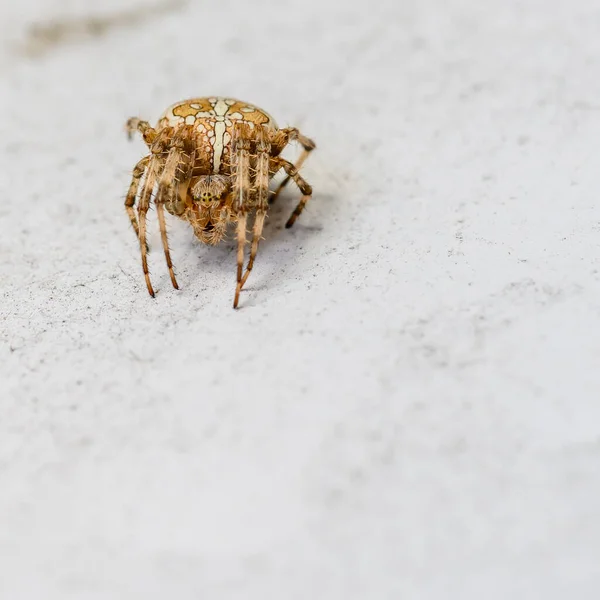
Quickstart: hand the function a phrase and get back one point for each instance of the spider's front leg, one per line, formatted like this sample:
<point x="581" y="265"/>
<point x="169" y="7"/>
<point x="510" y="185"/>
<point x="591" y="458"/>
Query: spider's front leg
<point x="241" y="194"/>
<point x="167" y="188"/>
<point x="280" y="140"/>
<point x="173" y="184"/>
<point x="263" y="149"/>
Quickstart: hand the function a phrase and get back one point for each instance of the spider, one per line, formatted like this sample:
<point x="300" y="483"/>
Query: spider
<point x="210" y="163"/>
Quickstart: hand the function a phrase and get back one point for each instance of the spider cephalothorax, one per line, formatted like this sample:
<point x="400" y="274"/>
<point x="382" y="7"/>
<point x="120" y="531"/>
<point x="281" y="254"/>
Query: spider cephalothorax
<point x="210" y="163"/>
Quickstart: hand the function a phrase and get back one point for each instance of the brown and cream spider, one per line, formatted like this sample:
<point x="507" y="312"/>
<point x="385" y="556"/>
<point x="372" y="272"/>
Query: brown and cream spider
<point x="210" y="163"/>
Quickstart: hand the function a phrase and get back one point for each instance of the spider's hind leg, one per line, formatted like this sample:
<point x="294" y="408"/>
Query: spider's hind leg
<point x="304" y="187"/>
<point x="280" y="140"/>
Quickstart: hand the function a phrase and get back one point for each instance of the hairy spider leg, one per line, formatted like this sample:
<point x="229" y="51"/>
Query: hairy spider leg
<point x="138" y="173"/>
<point x="167" y="187"/>
<point x="143" y="206"/>
<point x="263" y="150"/>
<point x="160" y="211"/>
<point x="241" y="194"/>
<point x="281" y="139"/>
<point x="303" y="186"/>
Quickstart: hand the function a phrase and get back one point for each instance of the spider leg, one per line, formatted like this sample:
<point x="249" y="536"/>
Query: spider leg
<point x="241" y="238"/>
<point x="304" y="187"/>
<point x="148" y="132"/>
<point x="168" y="187"/>
<point x="143" y="206"/>
<point x="282" y="138"/>
<point x="241" y="194"/>
<point x="160" y="211"/>
<point x="263" y="149"/>
<point x="138" y="173"/>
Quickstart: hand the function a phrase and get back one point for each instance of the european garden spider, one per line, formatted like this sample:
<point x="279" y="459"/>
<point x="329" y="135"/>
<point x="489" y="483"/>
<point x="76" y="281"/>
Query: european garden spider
<point x="210" y="163"/>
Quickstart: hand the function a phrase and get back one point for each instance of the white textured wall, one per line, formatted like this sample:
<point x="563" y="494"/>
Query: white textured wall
<point x="407" y="403"/>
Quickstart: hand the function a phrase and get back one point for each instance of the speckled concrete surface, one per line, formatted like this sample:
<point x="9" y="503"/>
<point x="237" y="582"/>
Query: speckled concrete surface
<point x="406" y="405"/>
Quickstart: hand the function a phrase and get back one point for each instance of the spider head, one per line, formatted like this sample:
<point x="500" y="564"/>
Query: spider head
<point x="210" y="190"/>
<point x="208" y="215"/>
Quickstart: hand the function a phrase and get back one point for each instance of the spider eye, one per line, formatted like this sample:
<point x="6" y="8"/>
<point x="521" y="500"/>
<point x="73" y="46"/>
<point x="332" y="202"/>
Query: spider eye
<point x="209" y="189"/>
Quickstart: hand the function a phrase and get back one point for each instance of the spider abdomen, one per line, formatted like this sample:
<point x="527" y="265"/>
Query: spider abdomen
<point x="213" y="121"/>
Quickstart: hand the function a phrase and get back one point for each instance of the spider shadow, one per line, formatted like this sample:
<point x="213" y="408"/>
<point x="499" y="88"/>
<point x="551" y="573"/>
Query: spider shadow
<point x="276" y="252"/>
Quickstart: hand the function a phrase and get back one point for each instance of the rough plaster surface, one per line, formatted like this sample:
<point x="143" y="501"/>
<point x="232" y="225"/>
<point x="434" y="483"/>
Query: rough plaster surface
<point x="406" y="405"/>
